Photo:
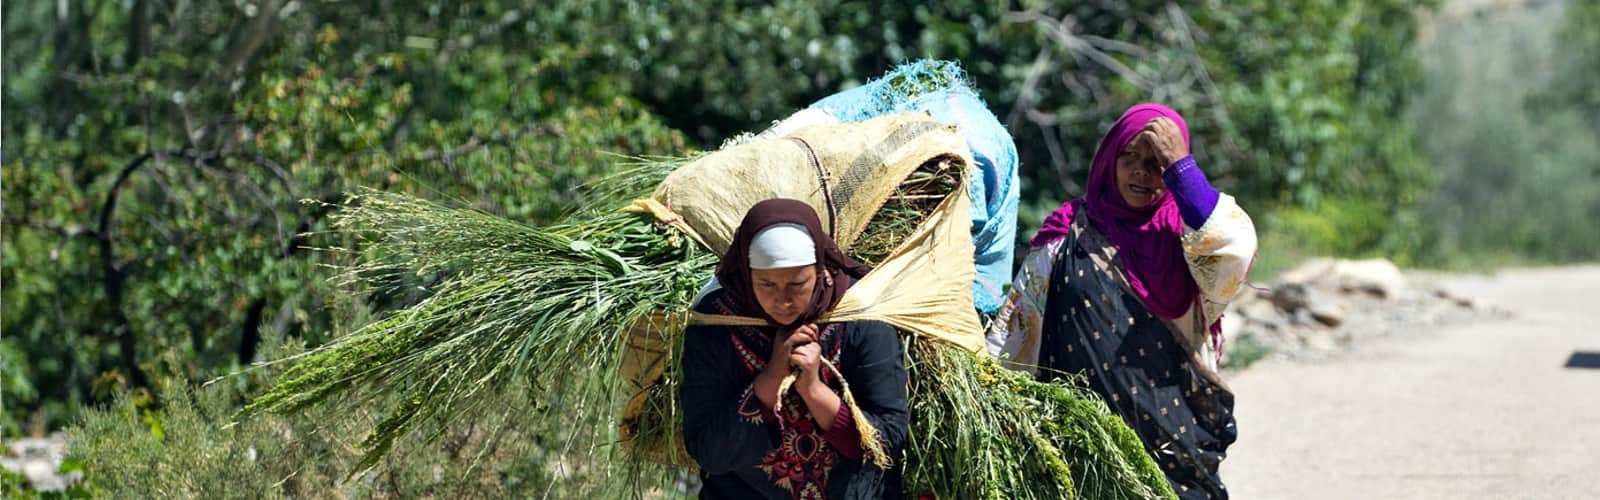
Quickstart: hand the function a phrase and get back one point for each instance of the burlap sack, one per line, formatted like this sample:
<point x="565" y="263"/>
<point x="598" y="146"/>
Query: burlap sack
<point x="846" y="172"/>
<point x="923" y="287"/>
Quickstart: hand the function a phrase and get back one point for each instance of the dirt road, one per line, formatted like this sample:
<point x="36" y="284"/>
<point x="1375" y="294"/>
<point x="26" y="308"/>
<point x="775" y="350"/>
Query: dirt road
<point x="1486" y="410"/>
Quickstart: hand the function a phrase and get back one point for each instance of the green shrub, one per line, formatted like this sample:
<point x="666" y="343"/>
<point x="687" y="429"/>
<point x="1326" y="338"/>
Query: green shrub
<point x="1244" y="351"/>
<point x="191" y="448"/>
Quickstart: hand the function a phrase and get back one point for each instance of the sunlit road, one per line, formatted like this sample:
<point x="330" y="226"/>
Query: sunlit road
<point x="1485" y="410"/>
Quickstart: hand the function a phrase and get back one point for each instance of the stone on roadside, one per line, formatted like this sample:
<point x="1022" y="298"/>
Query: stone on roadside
<point x="1378" y="277"/>
<point x="1261" y="311"/>
<point x="1290" y="297"/>
<point x="1325" y="309"/>
<point x="30" y="447"/>
<point x="38" y="460"/>
<point x="1375" y="276"/>
<point x="1457" y="299"/>
<point x="1302" y="317"/>
<point x="1307" y="273"/>
<point x="1321" y="341"/>
<point x="42" y="476"/>
<point x="1232" y="325"/>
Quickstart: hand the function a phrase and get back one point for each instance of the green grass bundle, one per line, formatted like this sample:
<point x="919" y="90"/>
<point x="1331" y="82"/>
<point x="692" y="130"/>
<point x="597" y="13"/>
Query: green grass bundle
<point x="539" y="304"/>
<point x="982" y="431"/>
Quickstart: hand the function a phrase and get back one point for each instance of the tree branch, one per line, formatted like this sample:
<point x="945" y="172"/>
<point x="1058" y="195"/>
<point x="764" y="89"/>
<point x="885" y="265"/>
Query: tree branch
<point x="448" y="156"/>
<point x="250" y="336"/>
<point x="1029" y="94"/>
<point x="260" y="30"/>
<point x="1060" y="31"/>
<point x="113" y="273"/>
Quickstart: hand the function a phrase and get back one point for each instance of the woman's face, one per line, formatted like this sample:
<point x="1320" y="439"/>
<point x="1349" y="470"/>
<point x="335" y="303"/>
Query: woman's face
<point x="1139" y="175"/>
<point x="784" y="293"/>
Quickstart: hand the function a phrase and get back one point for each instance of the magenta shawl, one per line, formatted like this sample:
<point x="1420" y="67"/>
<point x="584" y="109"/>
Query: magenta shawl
<point x="1147" y="239"/>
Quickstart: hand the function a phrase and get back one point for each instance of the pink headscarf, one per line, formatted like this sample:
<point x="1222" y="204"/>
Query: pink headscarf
<point x="1147" y="239"/>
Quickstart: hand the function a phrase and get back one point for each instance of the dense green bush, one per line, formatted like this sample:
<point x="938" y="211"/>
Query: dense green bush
<point x="191" y="448"/>
<point x="206" y="253"/>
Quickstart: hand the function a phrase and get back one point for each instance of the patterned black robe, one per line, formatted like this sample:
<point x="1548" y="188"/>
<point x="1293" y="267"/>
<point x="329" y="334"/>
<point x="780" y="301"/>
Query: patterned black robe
<point x="747" y="452"/>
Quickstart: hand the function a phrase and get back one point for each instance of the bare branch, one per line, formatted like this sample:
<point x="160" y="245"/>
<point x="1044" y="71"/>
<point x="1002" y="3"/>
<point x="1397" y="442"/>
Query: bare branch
<point x="1186" y="31"/>
<point x="448" y="156"/>
<point x="113" y="274"/>
<point x="1058" y="157"/>
<point x="1061" y="31"/>
<point x="1116" y="45"/>
<point x="260" y="30"/>
<point x="1030" y="88"/>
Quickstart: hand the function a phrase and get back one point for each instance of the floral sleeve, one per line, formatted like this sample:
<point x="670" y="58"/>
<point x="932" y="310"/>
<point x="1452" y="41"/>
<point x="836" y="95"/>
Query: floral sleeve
<point x="1219" y="241"/>
<point x="1015" y="332"/>
<point x="1219" y="253"/>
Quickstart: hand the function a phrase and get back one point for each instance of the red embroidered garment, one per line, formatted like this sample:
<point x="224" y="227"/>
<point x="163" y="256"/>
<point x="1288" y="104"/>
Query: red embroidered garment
<point x="746" y="451"/>
<point x="805" y="454"/>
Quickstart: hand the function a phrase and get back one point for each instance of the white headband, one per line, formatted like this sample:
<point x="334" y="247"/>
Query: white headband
<point x="781" y="245"/>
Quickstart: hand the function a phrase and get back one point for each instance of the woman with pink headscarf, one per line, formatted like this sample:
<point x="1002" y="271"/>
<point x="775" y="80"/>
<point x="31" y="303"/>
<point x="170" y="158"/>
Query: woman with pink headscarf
<point x="1126" y="286"/>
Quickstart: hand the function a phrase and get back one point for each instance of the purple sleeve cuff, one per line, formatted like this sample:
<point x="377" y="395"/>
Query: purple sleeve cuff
<point x="843" y="434"/>
<point x="1190" y="189"/>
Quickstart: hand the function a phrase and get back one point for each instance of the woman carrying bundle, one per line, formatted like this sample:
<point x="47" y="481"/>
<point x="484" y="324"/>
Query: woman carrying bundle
<point x="1126" y="286"/>
<point x="750" y="440"/>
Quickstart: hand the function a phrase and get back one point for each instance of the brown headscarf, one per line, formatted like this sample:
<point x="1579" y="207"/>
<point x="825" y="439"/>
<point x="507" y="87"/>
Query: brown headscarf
<point x="836" y="270"/>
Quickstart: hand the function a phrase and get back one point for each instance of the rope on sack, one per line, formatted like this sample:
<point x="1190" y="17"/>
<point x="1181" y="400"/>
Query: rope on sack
<point x="822" y="179"/>
<point x="870" y="443"/>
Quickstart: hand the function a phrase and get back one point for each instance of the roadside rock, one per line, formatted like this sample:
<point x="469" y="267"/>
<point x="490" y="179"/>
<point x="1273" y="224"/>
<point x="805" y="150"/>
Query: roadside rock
<point x="39" y="460"/>
<point x="1326" y="309"/>
<point x="1290" y="297"/>
<point x="1378" y="277"/>
<point x="42" y="476"/>
<point x="1375" y="276"/>
<point x="1322" y="305"/>
<point x="1460" y="300"/>
<point x="1259" y="311"/>
<point x="1322" y="342"/>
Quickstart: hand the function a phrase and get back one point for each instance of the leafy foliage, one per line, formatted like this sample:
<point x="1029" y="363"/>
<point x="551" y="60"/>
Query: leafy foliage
<point x="200" y="452"/>
<point x="201" y="255"/>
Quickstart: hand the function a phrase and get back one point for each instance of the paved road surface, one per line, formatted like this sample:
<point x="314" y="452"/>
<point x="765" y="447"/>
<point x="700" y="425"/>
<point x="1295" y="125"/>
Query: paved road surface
<point x="1484" y="410"/>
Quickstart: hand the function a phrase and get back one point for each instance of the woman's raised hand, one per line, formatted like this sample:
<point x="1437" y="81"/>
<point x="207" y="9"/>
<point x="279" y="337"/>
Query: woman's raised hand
<point x="1161" y="138"/>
